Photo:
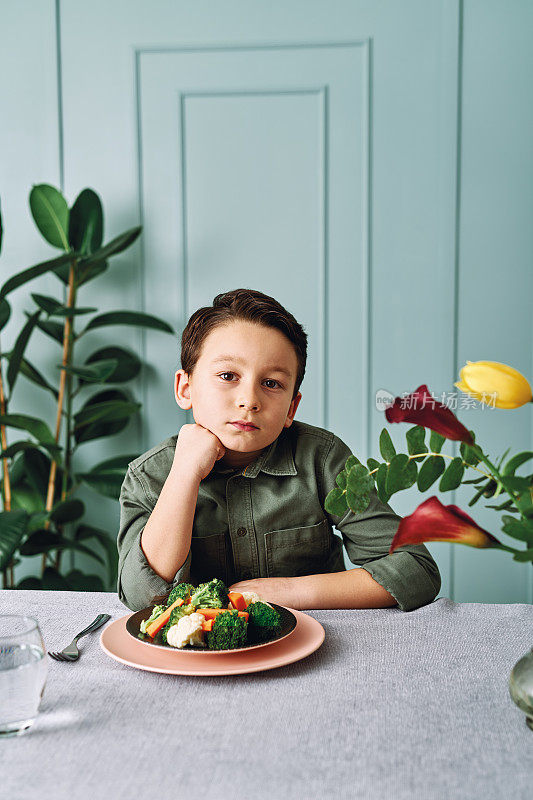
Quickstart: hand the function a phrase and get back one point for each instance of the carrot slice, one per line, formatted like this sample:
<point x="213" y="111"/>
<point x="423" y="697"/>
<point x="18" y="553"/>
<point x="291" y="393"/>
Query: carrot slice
<point x="207" y="625"/>
<point x="160" y="621"/>
<point x="211" y="613"/>
<point x="237" y="601"/>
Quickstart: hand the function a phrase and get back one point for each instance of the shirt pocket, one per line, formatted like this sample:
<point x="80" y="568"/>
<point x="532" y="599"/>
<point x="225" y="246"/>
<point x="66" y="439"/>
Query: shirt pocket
<point x="208" y="558"/>
<point x="297" y="551"/>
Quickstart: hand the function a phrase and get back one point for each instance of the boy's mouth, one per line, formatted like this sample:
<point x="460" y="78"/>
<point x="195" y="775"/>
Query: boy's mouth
<point x="244" y="426"/>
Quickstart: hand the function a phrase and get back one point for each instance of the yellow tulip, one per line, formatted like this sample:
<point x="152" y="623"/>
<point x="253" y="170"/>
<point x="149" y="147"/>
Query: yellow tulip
<point x="486" y="380"/>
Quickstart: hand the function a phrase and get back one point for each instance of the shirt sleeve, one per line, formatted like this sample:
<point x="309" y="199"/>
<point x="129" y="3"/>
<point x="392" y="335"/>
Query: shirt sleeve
<point x="138" y="583"/>
<point x="410" y="574"/>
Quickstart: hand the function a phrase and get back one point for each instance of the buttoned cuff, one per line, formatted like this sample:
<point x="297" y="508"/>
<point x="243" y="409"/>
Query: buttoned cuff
<point x="411" y="585"/>
<point x="148" y="583"/>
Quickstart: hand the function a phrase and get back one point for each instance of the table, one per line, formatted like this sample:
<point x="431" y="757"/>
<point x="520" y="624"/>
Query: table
<point x="393" y="705"/>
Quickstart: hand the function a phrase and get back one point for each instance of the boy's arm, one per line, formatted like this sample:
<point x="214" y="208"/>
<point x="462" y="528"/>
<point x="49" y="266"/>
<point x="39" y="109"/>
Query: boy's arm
<point x="139" y="580"/>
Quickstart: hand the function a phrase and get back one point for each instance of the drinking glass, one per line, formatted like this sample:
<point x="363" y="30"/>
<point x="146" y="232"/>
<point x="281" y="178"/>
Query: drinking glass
<point x="23" y="670"/>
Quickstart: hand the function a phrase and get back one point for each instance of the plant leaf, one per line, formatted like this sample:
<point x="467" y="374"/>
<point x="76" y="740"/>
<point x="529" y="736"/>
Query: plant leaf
<point x="518" y="528"/>
<point x="52" y="329"/>
<point x="431" y="469"/>
<point x="67" y="511"/>
<point x="128" y="363"/>
<point x="401" y="474"/>
<point x="109" y="544"/>
<point x="33" y="272"/>
<point x="86" y="223"/>
<point x="115" y="246"/>
<point x="469" y="455"/>
<point x="29" y="371"/>
<point x="452" y="476"/>
<point x="416" y="441"/>
<point x="128" y="318"/>
<point x="436" y="441"/>
<point x="372" y="464"/>
<point x="517" y="461"/>
<point x="18" y="350"/>
<point x="381" y="483"/>
<point x="386" y="447"/>
<point x="525" y="555"/>
<point x="37" y="427"/>
<point x="341" y="480"/>
<point x="81" y="582"/>
<point x="95" y="373"/>
<point x="336" y="503"/>
<point x="5" y="312"/>
<point x="105" y="412"/>
<point x="12" y="530"/>
<point x="43" y="541"/>
<point x="54" y="308"/>
<point x="51" y="215"/>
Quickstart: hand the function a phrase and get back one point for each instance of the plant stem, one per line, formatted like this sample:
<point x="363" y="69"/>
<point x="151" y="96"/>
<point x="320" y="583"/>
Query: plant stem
<point x="6" y="486"/>
<point x="62" y="381"/>
<point x="444" y="455"/>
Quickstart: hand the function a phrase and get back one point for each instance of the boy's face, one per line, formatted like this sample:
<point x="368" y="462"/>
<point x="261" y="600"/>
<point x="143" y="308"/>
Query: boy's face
<point x="246" y="372"/>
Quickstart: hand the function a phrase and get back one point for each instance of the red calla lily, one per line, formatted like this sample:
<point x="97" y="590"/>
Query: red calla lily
<point x="434" y="522"/>
<point x="421" y="408"/>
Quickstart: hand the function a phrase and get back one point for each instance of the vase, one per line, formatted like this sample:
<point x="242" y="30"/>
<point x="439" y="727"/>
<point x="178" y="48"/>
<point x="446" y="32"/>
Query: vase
<point x="521" y="686"/>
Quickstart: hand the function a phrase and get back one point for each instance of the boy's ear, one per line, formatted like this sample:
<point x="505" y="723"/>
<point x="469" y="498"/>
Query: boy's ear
<point x="292" y="410"/>
<point x="182" y="391"/>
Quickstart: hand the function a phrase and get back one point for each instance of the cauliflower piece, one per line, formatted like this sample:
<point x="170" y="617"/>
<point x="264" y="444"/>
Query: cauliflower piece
<point x="187" y="630"/>
<point x="253" y="597"/>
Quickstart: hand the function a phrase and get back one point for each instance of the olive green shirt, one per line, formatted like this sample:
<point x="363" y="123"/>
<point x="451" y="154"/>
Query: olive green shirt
<point x="268" y="520"/>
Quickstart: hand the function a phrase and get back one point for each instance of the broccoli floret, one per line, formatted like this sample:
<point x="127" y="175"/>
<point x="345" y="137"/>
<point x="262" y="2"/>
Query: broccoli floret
<point x="155" y="613"/>
<point x="182" y="590"/>
<point x="264" y="622"/>
<point x="175" y="615"/>
<point x="212" y="594"/>
<point x="228" y="631"/>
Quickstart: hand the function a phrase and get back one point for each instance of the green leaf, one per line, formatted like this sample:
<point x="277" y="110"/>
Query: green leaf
<point x="54" y="308"/>
<point x="86" y="224"/>
<point x="517" y="461"/>
<point x="469" y="455"/>
<point x="33" y="272"/>
<point x="43" y="541"/>
<point x="96" y="373"/>
<point x="18" y="447"/>
<point x="32" y="374"/>
<point x="115" y="246"/>
<point x="359" y="488"/>
<point x="416" y="441"/>
<point x="525" y="555"/>
<point x="105" y="412"/>
<point x="37" y="427"/>
<point x="105" y="482"/>
<point x="518" y="528"/>
<point x="372" y="464"/>
<point x="128" y="363"/>
<point x="504" y="506"/>
<point x="431" y="469"/>
<point x="109" y="544"/>
<point x="18" y="350"/>
<point x="128" y="318"/>
<point x="436" y="441"/>
<point x="51" y="215"/>
<point x="401" y="474"/>
<point x="36" y="470"/>
<point x="516" y="483"/>
<point x="477" y="495"/>
<point x="381" y="483"/>
<point x="452" y="476"/>
<point x="87" y="273"/>
<point x="386" y="447"/>
<point x="67" y="511"/>
<point x="27" y="499"/>
<point x="5" y="312"/>
<point x="30" y="583"/>
<point x="54" y="581"/>
<point x="52" y="329"/>
<point x="102" y="428"/>
<point x="336" y="502"/>
<point x="12" y="529"/>
<point x="80" y="582"/>
<point x="341" y="480"/>
<point x="351" y="461"/>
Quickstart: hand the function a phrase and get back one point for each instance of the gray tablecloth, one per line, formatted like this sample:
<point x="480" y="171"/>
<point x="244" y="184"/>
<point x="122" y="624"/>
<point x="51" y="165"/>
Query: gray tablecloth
<point x="393" y="705"/>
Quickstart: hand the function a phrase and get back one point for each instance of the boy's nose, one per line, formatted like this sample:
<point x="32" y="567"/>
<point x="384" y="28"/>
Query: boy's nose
<point x="249" y="402"/>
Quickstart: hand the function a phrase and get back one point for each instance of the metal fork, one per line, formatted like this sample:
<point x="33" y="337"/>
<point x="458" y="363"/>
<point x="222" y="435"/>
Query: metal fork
<point x="71" y="652"/>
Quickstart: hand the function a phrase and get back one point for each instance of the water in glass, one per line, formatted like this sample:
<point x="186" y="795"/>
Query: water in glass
<point x="23" y="670"/>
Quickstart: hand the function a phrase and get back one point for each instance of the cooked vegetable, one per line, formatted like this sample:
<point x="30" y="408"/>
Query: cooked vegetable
<point x="154" y="615"/>
<point x="212" y="594"/>
<point x="264" y="622"/>
<point x="207" y="625"/>
<point x="175" y="615"/>
<point x="228" y="631"/>
<point x="162" y="619"/>
<point x="211" y="613"/>
<point x="188" y="630"/>
<point x="237" y="601"/>
<point x="183" y="590"/>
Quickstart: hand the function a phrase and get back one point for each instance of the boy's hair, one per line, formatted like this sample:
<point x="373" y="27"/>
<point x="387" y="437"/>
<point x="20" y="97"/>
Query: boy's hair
<point x="249" y="305"/>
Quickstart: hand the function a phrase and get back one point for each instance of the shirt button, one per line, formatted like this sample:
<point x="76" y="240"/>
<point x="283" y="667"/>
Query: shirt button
<point x="241" y="531"/>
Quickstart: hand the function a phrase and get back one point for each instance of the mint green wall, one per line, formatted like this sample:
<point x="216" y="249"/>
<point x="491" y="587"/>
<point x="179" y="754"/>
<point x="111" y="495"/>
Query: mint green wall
<point x="368" y="164"/>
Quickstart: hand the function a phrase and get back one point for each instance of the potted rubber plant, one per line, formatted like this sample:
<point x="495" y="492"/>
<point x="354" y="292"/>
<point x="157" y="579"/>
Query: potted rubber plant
<point x="42" y="513"/>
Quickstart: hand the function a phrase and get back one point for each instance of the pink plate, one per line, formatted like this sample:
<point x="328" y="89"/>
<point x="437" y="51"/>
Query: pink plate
<point x="306" y="638"/>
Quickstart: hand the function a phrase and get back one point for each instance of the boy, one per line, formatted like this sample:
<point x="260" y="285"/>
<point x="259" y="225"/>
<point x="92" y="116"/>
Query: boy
<point x="239" y="494"/>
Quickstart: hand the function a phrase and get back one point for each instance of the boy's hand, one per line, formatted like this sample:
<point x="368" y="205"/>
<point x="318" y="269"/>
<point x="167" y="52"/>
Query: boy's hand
<point x="197" y="449"/>
<point x="283" y="591"/>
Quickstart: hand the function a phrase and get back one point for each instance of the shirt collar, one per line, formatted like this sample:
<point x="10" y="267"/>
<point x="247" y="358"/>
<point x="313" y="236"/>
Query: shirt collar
<point x="276" y="459"/>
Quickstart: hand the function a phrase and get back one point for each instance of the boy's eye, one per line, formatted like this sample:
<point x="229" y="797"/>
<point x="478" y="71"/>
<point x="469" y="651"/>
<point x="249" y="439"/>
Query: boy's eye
<point x="224" y="377"/>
